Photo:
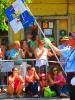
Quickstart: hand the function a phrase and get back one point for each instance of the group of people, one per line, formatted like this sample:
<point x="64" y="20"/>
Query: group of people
<point x="39" y="75"/>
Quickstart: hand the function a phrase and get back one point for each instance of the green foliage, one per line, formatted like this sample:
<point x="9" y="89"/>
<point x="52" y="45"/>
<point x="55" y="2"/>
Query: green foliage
<point x="3" y="5"/>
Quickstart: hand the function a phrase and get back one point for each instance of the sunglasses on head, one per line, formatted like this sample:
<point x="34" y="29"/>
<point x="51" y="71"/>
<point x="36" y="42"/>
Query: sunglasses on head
<point x="55" y="70"/>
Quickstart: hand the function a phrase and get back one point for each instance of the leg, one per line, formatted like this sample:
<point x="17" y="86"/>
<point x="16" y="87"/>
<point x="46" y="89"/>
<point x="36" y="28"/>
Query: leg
<point x="19" y="89"/>
<point x="33" y="87"/>
<point x="11" y="89"/>
<point x="72" y="92"/>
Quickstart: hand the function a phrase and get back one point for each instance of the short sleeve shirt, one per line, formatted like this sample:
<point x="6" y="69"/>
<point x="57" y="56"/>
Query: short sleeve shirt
<point x="69" y="53"/>
<point x="13" y="54"/>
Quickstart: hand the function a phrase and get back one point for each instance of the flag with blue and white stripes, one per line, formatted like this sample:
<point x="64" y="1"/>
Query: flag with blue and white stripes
<point x="18" y="16"/>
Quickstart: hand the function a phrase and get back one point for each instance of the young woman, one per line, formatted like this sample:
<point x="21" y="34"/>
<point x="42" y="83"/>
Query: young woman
<point x="15" y="83"/>
<point x="58" y="82"/>
<point x="31" y="81"/>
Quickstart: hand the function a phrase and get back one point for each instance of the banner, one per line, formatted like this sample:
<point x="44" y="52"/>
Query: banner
<point x="6" y="66"/>
<point x="18" y="16"/>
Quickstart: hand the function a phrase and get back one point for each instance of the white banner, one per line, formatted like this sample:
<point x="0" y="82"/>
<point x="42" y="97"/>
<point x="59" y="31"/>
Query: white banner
<point x="6" y="66"/>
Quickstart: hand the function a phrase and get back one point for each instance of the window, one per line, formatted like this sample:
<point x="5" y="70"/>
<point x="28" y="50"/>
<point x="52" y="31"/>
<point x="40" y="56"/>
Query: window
<point x="47" y="27"/>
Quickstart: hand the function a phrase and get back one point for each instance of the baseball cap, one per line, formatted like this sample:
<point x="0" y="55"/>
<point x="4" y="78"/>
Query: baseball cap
<point x="65" y="38"/>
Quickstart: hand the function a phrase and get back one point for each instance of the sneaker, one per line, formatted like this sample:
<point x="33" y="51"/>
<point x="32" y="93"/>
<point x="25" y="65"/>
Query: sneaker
<point x="19" y="96"/>
<point x="11" y="97"/>
<point x="36" y="96"/>
<point x="3" y="90"/>
<point x="62" y="95"/>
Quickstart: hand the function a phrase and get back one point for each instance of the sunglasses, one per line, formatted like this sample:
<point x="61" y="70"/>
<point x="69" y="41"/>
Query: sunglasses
<point x="55" y="70"/>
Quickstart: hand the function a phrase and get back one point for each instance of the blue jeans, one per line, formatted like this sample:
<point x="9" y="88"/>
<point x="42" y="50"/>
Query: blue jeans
<point x="60" y="89"/>
<point x="33" y="87"/>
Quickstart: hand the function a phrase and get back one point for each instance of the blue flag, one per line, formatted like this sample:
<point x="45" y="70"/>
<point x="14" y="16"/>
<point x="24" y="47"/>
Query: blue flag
<point x="18" y="16"/>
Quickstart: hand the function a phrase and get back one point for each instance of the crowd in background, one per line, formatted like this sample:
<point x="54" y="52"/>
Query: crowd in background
<point x="42" y="78"/>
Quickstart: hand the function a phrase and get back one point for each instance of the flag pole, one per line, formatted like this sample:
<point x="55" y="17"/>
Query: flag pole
<point x="45" y="37"/>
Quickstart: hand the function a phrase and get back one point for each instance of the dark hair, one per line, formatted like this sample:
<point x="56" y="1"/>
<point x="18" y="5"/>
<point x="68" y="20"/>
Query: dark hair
<point x="72" y="34"/>
<point x="29" y="68"/>
<point x="13" y="68"/>
<point x="51" y="71"/>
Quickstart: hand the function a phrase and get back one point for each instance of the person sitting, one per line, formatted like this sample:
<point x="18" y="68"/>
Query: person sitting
<point x="44" y="87"/>
<point x="58" y="82"/>
<point x="31" y="80"/>
<point x="15" y="83"/>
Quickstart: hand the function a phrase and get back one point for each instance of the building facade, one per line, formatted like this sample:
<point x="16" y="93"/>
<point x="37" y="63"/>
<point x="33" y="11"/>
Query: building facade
<point x="53" y="16"/>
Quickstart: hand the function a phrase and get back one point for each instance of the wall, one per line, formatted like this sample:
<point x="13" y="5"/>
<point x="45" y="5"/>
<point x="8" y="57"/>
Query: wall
<point x="53" y="8"/>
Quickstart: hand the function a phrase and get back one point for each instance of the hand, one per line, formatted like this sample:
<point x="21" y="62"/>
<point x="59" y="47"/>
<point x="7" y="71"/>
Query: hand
<point x="47" y="41"/>
<point x="21" y="51"/>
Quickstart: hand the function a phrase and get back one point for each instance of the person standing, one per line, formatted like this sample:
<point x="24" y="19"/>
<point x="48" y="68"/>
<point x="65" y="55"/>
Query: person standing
<point x="69" y="53"/>
<point x="41" y="54"/>
<point x="63" y="45"/>
<point x="2" y="74"/>
<point x="17" y="55"/>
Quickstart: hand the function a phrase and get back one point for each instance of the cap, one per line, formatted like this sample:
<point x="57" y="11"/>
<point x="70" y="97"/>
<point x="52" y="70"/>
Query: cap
<point x="72" y="34"/>
<point x="65" y="38"/>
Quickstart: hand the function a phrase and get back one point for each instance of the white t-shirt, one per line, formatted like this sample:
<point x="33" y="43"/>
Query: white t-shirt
<point x="43" y="59"/>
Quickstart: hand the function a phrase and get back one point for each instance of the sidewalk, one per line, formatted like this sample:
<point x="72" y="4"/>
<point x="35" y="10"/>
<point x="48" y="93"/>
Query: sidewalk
<point x="4" y="96"/>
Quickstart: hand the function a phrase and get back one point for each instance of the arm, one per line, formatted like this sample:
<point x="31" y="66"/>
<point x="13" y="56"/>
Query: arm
<point x="36" y="76"/>
<point x="50" y="79"/>
<point x="38" y="54"/>
<point x="20" y="52"/>
<point x="10" y="80"/>
<point x="50" y="53"/>
<point x="56" y="50"/>
<point x="60" y="79"/>
<point x="2" y="53"/>
<point x="29" y="78"/>
<point x="21" y="79"/>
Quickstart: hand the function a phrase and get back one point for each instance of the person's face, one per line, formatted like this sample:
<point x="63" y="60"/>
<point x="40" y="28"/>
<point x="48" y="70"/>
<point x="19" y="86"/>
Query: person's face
<point x="71" y="41"/>
<point x="17" y="46"/>
<point x="55" y="71"/>
<point x="31" y="71"/>
<point x="65" y="42"/>
<point x="41" y="43"/>
<point x="15" y="71"/>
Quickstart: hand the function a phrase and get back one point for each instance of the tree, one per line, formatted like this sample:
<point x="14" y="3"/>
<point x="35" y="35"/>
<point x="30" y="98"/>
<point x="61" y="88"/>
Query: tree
<point x="3" y="5"/>
<point x="3" y="22"/>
